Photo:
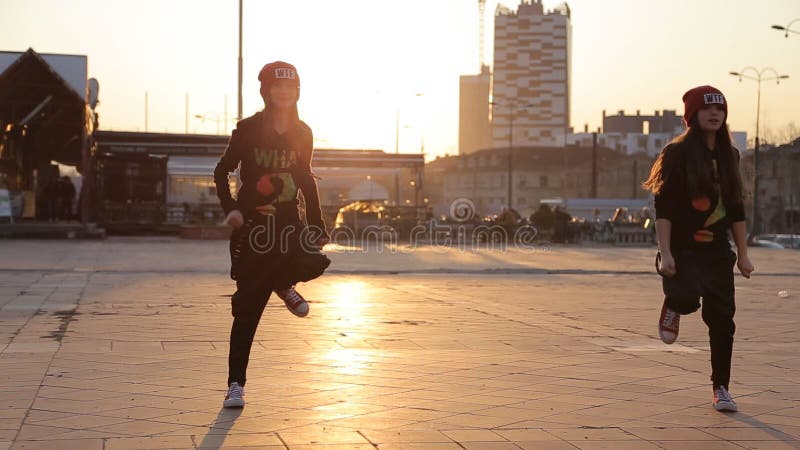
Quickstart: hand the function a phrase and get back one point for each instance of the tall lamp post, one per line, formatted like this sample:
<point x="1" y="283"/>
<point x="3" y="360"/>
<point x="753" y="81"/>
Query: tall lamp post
<point x="758" y="77"/>
<point x="513" y="107"/>
<point x="397" y="150"/>
<point x="787" y="29"/>
<point x="239" y="84"/>
<point x="216" y="117"/>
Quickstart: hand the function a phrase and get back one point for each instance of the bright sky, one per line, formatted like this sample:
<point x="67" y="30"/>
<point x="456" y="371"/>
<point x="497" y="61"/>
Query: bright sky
<point x="361" y="61"/>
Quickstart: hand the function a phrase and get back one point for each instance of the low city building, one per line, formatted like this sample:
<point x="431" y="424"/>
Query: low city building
<point x="778" y="186"/>
<point x="537" y="173"/>
<point x="166" y="178"/>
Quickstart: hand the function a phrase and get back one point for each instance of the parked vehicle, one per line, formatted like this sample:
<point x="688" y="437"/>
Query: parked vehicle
<point x="777" y="241"/>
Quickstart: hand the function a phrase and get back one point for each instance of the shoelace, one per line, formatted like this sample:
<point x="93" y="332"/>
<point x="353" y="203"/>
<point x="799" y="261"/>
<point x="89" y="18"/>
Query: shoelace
<point x="669" y="318"/>
<point x="235" y="391"/>
<point x="292" y="296"/>
<point x="723" y="395"/>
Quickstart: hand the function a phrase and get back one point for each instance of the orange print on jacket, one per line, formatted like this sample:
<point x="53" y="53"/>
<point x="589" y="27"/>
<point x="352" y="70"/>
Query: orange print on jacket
<point x="265" y="186"/>
<point x="701" y="203"/>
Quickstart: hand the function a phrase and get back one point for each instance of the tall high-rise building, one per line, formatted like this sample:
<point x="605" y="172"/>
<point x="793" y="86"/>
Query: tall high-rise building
<point x="474" y="128"/>
<point x="531" y="75"/>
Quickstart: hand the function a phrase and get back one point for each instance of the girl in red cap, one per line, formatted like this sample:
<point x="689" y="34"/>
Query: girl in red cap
<point x="698" y="199"/>
<point x="271" y="249"/>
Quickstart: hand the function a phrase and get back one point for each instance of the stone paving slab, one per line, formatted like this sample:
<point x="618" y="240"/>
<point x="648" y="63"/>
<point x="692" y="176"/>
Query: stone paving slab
<point x="103" y="346"/>
<point x="173" y="255"/>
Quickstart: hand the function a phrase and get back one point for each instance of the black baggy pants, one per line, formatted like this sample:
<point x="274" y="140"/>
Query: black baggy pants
<point x="266" y="255"/>
<point x="707" y="273"/>
<point x="259" y="256"/>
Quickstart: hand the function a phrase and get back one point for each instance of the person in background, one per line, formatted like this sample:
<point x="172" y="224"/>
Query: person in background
<point x="561" y="219"/>
<point x="66" y="196"/>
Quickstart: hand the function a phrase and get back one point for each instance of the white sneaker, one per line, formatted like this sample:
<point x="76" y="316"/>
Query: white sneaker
<point x="723" y="400"/>
<point x="294" y="301"/>
<point x="235" y="396"/>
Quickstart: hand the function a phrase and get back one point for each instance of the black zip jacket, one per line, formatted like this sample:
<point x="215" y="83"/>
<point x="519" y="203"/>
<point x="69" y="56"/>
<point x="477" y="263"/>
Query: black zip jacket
<point x="696" y="222"/>
<point x="273" y="168"/>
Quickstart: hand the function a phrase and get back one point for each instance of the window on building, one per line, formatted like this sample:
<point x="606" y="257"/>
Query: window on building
<point x="193" y="189"/>
<point x="543" y="182"/>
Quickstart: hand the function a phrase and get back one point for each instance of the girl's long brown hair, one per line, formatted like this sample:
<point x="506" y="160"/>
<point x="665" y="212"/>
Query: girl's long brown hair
<point x="688" y="160"/>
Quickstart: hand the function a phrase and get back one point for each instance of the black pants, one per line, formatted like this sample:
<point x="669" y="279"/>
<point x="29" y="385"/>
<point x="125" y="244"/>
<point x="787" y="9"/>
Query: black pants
<point x="707" y="272"/>
<point x="243" y="332"/>
<point x="266" y="255"/>
<point x="258" y="272"/>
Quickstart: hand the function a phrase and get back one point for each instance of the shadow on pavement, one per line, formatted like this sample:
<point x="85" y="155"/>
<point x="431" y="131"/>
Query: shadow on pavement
<point x="787" y="439"/>
<point x="219" y="429"/>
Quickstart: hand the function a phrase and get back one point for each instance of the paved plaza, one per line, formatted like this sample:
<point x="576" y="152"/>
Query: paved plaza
<point x="122" y="344"/>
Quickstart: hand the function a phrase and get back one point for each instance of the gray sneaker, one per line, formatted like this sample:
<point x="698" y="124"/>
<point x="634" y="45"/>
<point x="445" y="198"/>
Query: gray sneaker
<point x="235" y="396"/>
<point x="723" y="400"/>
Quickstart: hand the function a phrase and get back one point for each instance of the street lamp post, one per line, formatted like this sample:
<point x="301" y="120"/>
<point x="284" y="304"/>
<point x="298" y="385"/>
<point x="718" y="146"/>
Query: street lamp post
<point x="397" y="126"/>
<point x="239" y="74"/>
<point x="758" y="78"/>
<point x="214" y="116"/>
<point x="397" y="150"/>
<point x="787" y="29"/>
<point x="512" y="108"/>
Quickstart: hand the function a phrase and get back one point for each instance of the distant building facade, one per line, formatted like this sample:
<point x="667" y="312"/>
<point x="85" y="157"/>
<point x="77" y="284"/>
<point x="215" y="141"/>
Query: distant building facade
<point x="666" y="121"/>
<point x="532" y="51"/>
<point x="778" y="186"/>
<point x="637" y="133"/>
<point x="474" y="127"/>
<point x="629" y="143"/>
<point x="538" y="173"/>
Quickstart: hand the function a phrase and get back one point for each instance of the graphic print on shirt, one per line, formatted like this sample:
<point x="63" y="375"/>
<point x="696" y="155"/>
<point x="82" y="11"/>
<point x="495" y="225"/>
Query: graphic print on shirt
<point x="703" y="204"/>
<point x="276" y="183"/>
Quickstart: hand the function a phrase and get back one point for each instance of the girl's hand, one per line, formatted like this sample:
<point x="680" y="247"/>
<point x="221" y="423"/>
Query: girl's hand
<point x="322" y="241"/>
<point x="234" y="219"/>
<point x="667" y="266"/>
<point x="745" y="266"/>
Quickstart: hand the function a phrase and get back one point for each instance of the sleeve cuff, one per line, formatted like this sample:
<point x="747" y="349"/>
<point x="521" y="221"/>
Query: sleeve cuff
<point x="227" y="207"/>
<point x="737" y="213"/>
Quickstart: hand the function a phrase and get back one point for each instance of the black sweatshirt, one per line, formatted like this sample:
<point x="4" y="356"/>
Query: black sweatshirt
<point x="273" y="168"/>
<point x="696" y="222"/>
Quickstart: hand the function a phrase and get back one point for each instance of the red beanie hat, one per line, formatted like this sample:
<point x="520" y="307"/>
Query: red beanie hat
<point x="274" y="71"/>
<point x="696" y="98"/>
